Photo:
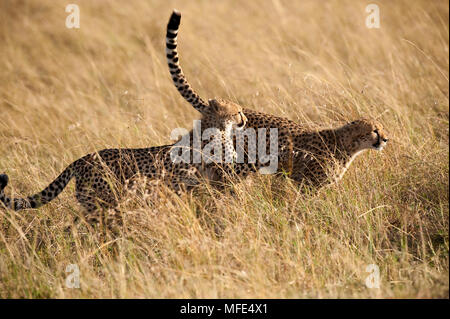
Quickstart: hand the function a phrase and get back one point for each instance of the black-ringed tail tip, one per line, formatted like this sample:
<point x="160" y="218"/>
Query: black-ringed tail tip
<point x="3" y="181"/>
<point x="174" y="21"/>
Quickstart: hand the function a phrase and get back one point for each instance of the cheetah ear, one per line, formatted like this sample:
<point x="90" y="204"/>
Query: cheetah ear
<point x="213" y="104"/>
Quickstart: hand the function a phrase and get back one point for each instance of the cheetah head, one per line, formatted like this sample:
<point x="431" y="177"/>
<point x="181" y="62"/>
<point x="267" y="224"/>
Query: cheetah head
<point x="228" y="112"/>
<point x="367" y="134"/>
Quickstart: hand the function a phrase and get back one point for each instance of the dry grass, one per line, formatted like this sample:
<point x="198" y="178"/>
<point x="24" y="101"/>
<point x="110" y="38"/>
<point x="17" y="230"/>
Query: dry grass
<point x="67" y="92"/>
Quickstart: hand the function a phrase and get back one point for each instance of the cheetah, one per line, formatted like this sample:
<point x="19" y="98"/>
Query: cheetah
<point x="97" y="174"/>
<point x="308" y="157"/>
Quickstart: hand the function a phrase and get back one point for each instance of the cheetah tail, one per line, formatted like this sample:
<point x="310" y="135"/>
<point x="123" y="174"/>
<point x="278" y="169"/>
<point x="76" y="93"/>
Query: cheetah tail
<point x="39" y="199"/>
<point x="176" y="72"/>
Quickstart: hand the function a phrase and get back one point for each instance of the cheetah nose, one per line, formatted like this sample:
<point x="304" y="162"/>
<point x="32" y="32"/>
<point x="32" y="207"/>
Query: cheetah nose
<point x="3" y="181"/>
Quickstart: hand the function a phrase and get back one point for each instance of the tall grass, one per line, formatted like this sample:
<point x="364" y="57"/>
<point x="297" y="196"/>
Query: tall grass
<point x="67" y="92"/>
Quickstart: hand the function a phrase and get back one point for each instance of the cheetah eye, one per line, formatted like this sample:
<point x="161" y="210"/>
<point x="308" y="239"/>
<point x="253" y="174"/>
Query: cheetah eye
<point x="376" y="131"/>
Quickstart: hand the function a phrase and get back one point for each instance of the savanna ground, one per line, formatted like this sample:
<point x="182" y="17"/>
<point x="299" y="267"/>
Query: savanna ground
<point x="68" y="92"/>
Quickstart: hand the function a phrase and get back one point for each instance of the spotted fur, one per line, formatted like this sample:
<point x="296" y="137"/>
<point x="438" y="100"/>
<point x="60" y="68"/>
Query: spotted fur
<point x="308" y="157"/>
<point x="101" y="177"/>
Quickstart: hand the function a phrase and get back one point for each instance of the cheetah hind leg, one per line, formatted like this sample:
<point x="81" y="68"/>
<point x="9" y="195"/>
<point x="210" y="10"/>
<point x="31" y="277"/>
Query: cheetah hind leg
<point x="99" y="205"/>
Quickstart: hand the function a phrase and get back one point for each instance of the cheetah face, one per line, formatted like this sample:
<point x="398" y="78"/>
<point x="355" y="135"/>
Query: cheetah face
<point x="228" y="112"/>
<point x="370" y="134"/>
<point x="380" y="140"/>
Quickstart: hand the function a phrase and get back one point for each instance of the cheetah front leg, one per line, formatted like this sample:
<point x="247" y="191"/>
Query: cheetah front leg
<point x="311" y="172"/>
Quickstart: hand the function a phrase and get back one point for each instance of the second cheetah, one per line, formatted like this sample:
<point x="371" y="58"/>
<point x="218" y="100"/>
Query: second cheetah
<point x="312" y="157"/>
